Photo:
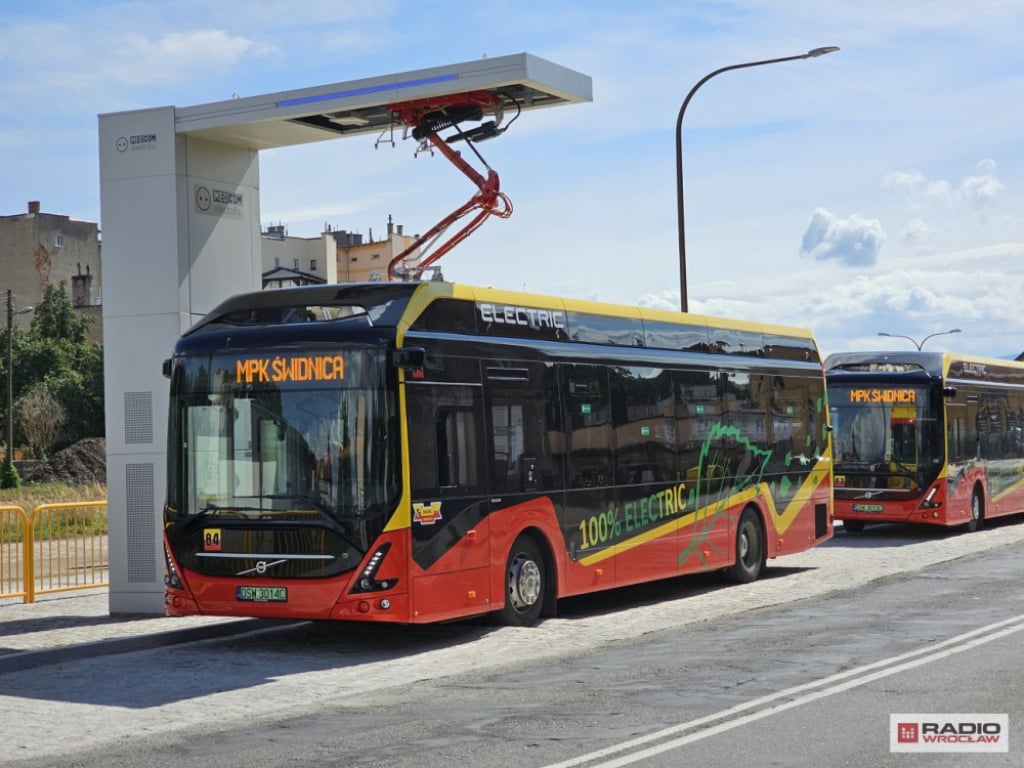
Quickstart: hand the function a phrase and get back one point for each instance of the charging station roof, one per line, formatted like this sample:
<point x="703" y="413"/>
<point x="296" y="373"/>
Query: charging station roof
<point x="318" y="113"/>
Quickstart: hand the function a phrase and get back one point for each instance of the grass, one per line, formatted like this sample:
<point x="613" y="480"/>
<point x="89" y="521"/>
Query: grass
<point x="57" y="523"/>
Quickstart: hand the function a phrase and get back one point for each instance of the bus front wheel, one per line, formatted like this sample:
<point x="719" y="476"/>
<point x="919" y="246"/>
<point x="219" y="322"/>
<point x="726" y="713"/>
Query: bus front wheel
<point x="977" y="512"/>
<point x="525" y="583"/>
<point x="750" y="554"/>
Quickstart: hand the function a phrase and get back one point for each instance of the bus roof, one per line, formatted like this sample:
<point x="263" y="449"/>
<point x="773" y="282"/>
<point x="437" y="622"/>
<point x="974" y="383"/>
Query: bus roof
<point x="402" y="305"/>
<point x="940" y="365"/>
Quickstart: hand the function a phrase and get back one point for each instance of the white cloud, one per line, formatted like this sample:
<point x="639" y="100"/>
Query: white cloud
<point x="853" y="241"/>
<point x="916" y="230"/>
<point x="981" y="190"/>
<point x="668" y="300"/>
<point x="939" y="193"/>
<point x="977" y="290"/>
<point x="911" y="179"/>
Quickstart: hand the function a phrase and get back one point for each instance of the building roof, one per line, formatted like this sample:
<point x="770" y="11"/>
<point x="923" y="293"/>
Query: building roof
<point x="298" y="277"/>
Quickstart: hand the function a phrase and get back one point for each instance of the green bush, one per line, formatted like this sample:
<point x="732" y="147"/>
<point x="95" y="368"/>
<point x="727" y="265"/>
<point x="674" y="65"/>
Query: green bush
<point x="9" y="476"/>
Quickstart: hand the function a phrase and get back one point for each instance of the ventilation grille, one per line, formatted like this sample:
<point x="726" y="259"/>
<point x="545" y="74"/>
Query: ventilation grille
<point x="138" y="417"/>
<point x="142" y="559"/>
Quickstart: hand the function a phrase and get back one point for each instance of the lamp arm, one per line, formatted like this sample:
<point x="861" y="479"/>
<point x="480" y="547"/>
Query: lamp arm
<point x="683" y="300"/>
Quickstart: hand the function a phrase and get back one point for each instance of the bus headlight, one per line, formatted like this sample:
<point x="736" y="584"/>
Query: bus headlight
<point x="171" y="578"/>
<point x="367" y="581"/>
<point x="928" y="501"/>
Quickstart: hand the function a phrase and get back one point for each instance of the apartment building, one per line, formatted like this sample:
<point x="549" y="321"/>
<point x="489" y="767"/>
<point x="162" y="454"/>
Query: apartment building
<point x="336" y="256"/>
<point x="38" y="249"/>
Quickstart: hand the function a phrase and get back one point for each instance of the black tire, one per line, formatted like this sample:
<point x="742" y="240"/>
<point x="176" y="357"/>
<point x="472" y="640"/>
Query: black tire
<point x="750" y="552"/>
<point x="853" y="526"/>
<point x="525" y="584"/>
<point x="977" y="512"/>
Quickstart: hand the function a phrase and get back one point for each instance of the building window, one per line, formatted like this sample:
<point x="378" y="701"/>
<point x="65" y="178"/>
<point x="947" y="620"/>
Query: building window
<point x="277" y="262"/>
<point x="295" y="263"/>
<point x="58" y="241"/>
<point x="312" y="265"/>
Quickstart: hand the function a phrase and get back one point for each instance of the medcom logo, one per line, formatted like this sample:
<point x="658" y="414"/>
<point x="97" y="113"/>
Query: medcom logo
<point x="949" y="733"/>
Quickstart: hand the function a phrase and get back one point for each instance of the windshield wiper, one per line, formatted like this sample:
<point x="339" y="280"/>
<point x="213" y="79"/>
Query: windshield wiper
<point x="324" y="512"/>
<point x="207" y="511"/>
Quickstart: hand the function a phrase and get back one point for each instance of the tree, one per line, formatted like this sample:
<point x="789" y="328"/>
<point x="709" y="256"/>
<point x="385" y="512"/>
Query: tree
<point x="55" y="317"/>
<point x="56" y="352"/>
<point x="8" y="472"/>
<point x="41" y="418"/>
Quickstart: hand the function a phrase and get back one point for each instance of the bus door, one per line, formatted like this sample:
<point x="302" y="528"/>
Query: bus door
<point x="903" y="447"/>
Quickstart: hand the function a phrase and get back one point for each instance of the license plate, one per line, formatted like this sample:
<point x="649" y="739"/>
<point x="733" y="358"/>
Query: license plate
<point x="262" y="594"/>
<point x="867" y="507"/>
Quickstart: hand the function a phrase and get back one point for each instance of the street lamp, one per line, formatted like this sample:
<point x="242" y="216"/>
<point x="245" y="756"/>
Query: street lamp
<point x="918" y="344"/>
<point x="9" y="453"/>
<point x="811" y="54"/>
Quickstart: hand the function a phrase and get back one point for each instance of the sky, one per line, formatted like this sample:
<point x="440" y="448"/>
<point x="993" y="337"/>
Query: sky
<point x="879" y="188"/>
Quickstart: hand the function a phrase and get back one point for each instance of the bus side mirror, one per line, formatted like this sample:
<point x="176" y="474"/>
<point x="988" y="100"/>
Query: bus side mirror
<point x="949" y="392"/>
<point x="166" y="367"/>
<point x="411" y="358"/>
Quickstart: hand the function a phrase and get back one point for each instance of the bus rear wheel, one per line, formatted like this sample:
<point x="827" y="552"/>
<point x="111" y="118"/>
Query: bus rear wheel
<point x="750" y="554"/>
<point x="525" y="584"/>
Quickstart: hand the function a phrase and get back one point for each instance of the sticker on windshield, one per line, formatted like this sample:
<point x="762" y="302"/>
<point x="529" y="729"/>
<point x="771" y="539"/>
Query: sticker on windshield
<point x="211" y="539"/>
<point x="426" y="514"/>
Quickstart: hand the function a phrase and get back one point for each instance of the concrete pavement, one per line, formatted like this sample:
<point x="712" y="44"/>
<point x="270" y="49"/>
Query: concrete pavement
<point x="66" y="626"/>
<point x="66" y="702"/>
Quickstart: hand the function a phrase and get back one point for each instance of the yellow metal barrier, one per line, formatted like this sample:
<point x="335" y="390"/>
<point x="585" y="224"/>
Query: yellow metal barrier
<point x="70" y="547"/>
<point x="15" y="555"/>
<point x="58" y="548"/>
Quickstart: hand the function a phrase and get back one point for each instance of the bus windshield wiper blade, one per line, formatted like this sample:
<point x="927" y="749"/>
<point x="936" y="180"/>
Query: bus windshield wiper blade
<point x="207" y="511"/>
<point x="324" y="512"/>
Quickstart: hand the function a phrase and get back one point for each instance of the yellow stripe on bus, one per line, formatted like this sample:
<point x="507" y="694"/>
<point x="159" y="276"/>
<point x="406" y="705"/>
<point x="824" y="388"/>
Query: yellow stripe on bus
<point x="782" y="522"/>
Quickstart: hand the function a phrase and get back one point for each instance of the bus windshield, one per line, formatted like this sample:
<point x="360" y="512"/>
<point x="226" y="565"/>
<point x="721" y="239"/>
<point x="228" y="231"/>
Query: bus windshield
<point x="885" y="429"/>
<point x="258" y="436"/>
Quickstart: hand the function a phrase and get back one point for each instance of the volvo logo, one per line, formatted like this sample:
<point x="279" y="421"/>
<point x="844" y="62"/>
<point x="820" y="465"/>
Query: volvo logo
<point x="261" y="567"/>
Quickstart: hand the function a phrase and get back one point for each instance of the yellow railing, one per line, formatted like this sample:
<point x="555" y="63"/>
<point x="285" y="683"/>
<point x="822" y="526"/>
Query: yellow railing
<point x="14" y="563"/>
<point x="58" y="548"/>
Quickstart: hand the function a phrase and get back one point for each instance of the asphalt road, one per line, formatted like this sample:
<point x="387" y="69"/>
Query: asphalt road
<point x="801" y="668"/>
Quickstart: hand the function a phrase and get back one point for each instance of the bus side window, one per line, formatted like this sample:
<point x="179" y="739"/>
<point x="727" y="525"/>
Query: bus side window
<point x="444" y="438"/>
<point x="457" y="450"/>
<point x="697" y="408"/>
<point x="589" y="425"/>
<point x="645" y="436"/>
<point x="422" y="442"/>
<point x="518" y="436"/>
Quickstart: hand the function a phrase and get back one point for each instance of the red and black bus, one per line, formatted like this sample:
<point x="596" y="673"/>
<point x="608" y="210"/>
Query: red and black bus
<point x="417" y="452"/>
<point x="926" y="437"/>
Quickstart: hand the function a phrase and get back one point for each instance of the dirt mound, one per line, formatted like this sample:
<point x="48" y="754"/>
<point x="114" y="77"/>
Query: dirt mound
<point x="83" y="463"/>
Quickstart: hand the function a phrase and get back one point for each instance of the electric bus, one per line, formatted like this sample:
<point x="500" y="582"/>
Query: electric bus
<point x="926" y="437"/>
<point x="423" y="451"/>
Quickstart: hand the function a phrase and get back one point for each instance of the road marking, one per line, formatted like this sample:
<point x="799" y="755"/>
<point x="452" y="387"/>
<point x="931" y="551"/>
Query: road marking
<point x="728" y="719"/>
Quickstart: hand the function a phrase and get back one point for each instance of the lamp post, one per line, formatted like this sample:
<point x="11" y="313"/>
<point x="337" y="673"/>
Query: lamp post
<point x="9" y="453"/>
<point x="811" y="54"/>
<point x="918" y="344"/>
